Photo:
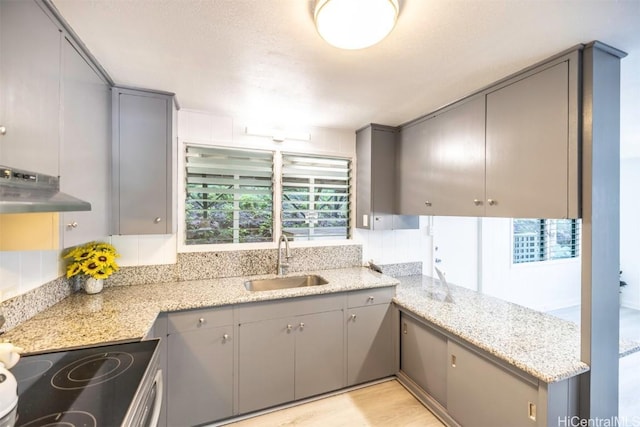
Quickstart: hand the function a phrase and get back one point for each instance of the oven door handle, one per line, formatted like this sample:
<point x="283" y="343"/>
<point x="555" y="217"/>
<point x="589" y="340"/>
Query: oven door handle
<point x="157" y="405"/>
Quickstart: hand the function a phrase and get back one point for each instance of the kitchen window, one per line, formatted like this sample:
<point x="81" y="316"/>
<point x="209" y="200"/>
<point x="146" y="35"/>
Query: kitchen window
<point x="230" y="193"/>
<point x="316" y="197"/>
<point x="537" y="240"/>
<point x="229" y="196"/>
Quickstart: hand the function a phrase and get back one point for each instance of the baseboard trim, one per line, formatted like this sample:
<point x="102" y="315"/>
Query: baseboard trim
<point x="429" y="402"/>
<point x="297" y="403"/>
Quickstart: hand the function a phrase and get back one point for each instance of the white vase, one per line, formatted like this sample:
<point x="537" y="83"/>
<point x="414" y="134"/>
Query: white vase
<point x="93" y="286"/>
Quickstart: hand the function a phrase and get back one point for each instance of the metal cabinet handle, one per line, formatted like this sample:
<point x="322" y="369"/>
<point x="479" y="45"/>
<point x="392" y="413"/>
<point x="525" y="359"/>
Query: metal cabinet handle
<point x="301" y="325"/>
<point x="353" y="317"/>
<point x="492" y="202"/>
<point x="427" y="203"/>
<point x="289" y="328"/>
<point x="202" y="321"/>
<point x="404" y="328"/>
<point x="477" y="202"/>
<point x="72" y="225"/>
<point x="3" y="130"/>
<point x="453" y="360"/>
<point x="157" y="220"/>
<point x="370" y="298"/>
<point x="225" y="337"/>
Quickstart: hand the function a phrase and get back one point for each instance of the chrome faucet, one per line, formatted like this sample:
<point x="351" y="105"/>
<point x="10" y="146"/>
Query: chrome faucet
<point x="282" y="267"/>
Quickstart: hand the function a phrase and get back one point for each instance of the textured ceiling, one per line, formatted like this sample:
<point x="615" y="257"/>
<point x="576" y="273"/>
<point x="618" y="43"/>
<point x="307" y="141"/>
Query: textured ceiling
<point x="262" y="60"/>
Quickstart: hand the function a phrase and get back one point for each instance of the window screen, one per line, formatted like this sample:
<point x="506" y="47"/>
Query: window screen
<point x="316" y="197"/>
<point x="545" y="239"/>
<point x="229" y="196"/>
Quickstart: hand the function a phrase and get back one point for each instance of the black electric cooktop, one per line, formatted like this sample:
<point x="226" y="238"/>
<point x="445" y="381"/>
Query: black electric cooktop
<point x="84" y="387"/>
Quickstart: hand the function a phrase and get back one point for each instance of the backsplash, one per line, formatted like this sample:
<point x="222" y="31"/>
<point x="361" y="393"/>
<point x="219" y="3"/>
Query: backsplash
<point x="189" y="266"/>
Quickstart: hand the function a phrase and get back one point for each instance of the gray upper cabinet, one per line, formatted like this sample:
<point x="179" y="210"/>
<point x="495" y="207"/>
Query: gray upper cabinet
<point x="507" y="151"/>
<point x="376" y="180"/>
<point x="532" y="149"/>
<point x="29" y="87"/>
<point x="86" y="124"/>
<point x="142" y="163"/>
<point x="441" y="162"/>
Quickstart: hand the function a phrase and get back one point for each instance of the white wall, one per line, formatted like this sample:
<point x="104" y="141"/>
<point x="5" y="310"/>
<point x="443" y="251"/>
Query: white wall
<point x="630" y="231"/>
<point x="542" y="286"/>
<point x="22" y="271"/>
<point x="476" y="253"/>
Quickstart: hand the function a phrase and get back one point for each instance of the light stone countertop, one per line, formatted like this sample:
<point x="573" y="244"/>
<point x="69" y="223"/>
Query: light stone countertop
<point x="542" y="345"/>
<point x="124" y="313"/>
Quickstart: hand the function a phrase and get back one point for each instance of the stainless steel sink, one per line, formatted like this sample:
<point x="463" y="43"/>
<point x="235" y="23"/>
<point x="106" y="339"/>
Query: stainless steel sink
<point x="284" y="283"/>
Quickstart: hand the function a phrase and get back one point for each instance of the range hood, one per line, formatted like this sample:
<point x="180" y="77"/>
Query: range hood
<point x="23" y="191"/>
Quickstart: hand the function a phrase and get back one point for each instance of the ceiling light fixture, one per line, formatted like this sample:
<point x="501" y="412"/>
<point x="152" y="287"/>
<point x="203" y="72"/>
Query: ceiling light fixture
<point x="355" y="24"/>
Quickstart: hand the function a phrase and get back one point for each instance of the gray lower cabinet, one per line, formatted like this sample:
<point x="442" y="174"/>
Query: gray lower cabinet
<point x="482" y="394"/>
<point x="142" y="162"/>
<point x="199" y="375"/>
<point x="370" y="336"/>
<point x="285" y="359"/>
<point x="423" y="357"/>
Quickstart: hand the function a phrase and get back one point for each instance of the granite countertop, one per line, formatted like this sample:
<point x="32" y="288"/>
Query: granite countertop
<point x="542" y="345"/>
<point x="122" y="313"/>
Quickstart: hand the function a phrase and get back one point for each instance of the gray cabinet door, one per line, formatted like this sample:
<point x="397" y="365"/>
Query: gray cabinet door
<point x="369" y="343"/>
<point x="266" y="364"/>
<point x="86" y="120"/>
<point x="29" y="88"/>
<point x="482" y="394"/>
<point x="411" y="172"/>
<point x="527" y="146"/>
<point x="200" y="376"/>
<point x="319" y="353"/>
<point x="142" y="162"/>
<point x="441" y="162"/>
<point x="423" y="357"/>
<point x="454" y="165"/>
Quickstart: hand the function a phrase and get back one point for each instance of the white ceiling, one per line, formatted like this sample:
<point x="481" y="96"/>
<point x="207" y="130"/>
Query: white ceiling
<point x="262" y="60"/>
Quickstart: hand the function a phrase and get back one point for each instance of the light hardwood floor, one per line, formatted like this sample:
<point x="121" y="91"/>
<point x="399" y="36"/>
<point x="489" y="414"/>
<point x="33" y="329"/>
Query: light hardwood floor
<point x="384" y="404"/>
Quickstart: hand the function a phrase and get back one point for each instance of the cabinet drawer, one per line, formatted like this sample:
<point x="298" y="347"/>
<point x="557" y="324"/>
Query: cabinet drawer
<point x="371" y="296"/>
<point x="197" y="319"/>
<point x="289" y="307"/>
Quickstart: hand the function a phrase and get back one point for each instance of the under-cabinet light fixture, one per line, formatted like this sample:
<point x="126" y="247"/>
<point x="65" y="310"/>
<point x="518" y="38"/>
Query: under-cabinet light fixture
<point x="355" y="24"/>
<point x="278" y="135"/>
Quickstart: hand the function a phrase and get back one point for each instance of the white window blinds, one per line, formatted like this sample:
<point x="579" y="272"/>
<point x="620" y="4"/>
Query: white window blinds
<point x="545" y="239"/>
<point x="229" y="196"/>
<point x="316" y="197"/>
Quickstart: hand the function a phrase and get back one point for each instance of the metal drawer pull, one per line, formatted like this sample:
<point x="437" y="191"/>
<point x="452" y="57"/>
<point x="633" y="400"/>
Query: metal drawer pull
<point x="225" y="337"/>
<point x="202" y="321"/>
<point x="289" y="327"/>
<point x="370" y="299"/>
<point x="492" y="202"/>
<point x="477" y="202"/>
<point x="427" y="203"/>
<point x="353" y="317"/>
<point x="72" y="225"/>
<point x="301" y="325"/>
<point x="157" y="220"/>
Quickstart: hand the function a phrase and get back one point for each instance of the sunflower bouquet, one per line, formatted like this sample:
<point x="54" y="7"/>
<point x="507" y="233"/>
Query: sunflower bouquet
<point x="95" y="259"/>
